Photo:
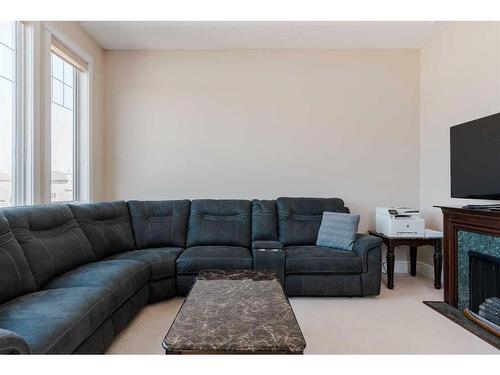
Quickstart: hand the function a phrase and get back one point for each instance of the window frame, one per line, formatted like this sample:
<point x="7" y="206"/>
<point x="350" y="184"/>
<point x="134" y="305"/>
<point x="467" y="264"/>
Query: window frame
<point x="82" y="176"/>
<point x="22" y="166"/>
<point x="24" y="187"/>
<point x="31" y="138"/>
<point x="75" y="123"/>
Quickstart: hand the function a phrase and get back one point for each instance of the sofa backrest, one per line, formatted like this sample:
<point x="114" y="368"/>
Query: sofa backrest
<point x="106" y="225"/>
<point x="219" y="222"/>
<point x="299" y="219"/>
<point x="264" y="220"/>
<point x="50" y="238"/>
<point x="16" y="278"/>
<point x="159" y="223"/>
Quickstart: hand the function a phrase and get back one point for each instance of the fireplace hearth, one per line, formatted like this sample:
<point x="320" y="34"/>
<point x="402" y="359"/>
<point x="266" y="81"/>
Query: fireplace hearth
<point x="459" y="318"/>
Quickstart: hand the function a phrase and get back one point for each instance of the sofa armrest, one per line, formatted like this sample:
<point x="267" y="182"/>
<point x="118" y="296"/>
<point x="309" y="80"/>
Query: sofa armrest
<point x="363" y="244"/>
<point x="267" y="245"/>
<point x="10" y="343"/>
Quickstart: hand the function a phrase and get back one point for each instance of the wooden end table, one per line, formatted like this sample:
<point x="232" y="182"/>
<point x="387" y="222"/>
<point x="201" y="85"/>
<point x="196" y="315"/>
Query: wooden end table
<point x="431" y="238"/>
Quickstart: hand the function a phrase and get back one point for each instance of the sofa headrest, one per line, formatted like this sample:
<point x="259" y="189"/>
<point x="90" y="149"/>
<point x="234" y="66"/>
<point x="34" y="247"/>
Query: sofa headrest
<point x="4" y="224"/>
<point x="100" y="211"/>
<point x="159" y="223"/>
<point x="264" y="220"/>
<point x="310" y="206"/>
<point x="299" y="219"/>
<point x="106" y="225"/>
<point x="220" y="222"/>
<point x="38" y="218"/>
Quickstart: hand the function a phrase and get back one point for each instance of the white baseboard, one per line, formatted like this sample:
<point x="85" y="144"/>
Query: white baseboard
<point x="423" y="269"/>
<point x="401" y="266"/>
<point x="426" y="270"/>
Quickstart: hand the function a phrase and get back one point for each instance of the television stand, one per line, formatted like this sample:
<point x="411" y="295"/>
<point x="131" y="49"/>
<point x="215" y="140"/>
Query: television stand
<point x="482" y="206"/>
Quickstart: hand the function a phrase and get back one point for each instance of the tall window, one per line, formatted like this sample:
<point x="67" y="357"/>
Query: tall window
<point x="63" y="129"/>
<point x="69" y="117"/>
<point x="8" y="109"/>
<point x="24" y="167"/>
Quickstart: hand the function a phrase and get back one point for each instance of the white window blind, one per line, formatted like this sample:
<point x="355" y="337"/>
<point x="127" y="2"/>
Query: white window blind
<point x="68" y="55"/>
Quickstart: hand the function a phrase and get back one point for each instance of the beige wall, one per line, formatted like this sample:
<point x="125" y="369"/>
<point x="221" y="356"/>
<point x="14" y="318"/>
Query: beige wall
<point x="263" y="124"/>
<point x="460" y="81"/>
<point x="82" y="39"/>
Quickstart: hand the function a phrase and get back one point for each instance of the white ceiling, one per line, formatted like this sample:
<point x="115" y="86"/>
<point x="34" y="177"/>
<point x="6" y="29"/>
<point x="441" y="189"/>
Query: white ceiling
<point x="261" y="35"/>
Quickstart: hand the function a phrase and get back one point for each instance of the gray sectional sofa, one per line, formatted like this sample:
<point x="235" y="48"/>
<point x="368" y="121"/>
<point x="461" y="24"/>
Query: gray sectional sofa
<point x="72" y="276"/>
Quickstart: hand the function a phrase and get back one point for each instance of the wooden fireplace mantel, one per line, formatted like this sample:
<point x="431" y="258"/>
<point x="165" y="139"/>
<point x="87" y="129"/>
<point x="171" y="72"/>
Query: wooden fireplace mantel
<point x="454" y="219"/>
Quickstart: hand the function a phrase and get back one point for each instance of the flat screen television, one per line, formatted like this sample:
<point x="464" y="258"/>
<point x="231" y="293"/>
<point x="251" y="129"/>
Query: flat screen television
<point x="475" y="158"/>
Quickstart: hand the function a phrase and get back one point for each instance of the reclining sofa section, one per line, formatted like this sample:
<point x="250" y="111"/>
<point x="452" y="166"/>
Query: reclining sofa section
<point x="74" y="275"/>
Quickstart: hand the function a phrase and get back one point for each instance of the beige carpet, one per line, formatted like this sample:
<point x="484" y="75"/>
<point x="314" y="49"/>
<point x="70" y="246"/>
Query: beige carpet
<point x="395" y="322"/>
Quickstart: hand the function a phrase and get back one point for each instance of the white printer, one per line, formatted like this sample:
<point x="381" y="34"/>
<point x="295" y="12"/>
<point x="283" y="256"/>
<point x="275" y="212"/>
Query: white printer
<point x="399" y="222"/>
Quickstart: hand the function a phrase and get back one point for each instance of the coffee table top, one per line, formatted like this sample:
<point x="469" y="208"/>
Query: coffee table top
<point x="235" y="312"/>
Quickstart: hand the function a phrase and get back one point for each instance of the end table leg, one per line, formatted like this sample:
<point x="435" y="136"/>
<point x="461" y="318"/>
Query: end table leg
<point x="413" y="260"/>
<point x="438" y="264"/>
<point x="390" y="267"/>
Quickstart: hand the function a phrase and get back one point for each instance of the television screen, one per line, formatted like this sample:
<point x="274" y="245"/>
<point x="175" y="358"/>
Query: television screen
<point x="475" y="158"/>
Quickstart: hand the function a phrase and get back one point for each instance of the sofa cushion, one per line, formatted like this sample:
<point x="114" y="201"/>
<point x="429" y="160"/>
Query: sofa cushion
<point x="122" y="278"/>
<point x="197" y="258"/>
<point x="299" y="219"/>
<point x="159" y="223"/>
<point x="106" y="225"/>
<point x="102" y="338"/>
<point x="161" y="260"/>
<point x="338" y="230"/>
<point x="318" y="259"/>
<point x="51" y="239"/>
<point x="58" y="320"/>
<point x="219" y="222"/>
<point x="264" y="220"/>
<point x="15" y="275"/>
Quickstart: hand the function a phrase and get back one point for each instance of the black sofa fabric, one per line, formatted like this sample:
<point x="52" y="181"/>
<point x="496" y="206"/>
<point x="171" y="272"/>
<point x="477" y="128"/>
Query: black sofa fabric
<point x="219" y="222"/>
<point x="52" y="241"/>
<point x="161" y="261"/>
<point x="264" y="220"/>
<point x="10" y="343"/>
<point x="159" y="223"/>
<point x="74" y="275"/>
<point x="317" y="259"/>
<point x="15" y="277"/>
<point x="197" y="258"/>
<point x="299" y="219"/>
<point x="106" y="225"/>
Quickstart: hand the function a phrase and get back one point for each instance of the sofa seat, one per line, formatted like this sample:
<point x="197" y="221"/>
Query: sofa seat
<point x="73" y="305"/>
<point x="319" y="259"/>
<point x="161" y="260"/>
<point x="121" y="278"/>
<point x="197" y="258"/>
<point x="57" y="320"/>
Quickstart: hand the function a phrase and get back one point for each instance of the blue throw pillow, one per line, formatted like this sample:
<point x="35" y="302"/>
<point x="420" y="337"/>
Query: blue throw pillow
<point x="338" y="230"/>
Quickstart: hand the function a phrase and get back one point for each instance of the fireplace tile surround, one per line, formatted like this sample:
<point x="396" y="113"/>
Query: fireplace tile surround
<point x="471" y="241"/>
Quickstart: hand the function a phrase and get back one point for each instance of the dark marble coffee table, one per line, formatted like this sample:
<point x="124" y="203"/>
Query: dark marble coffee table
<point x="235" y="312"/>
